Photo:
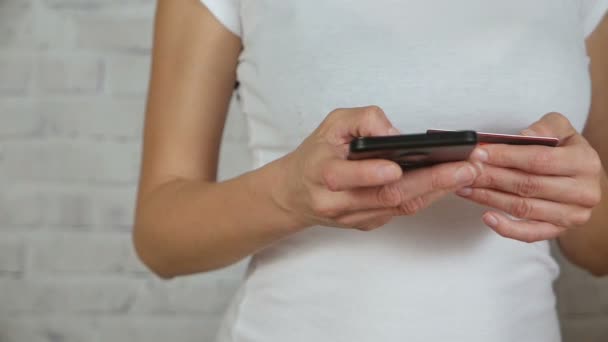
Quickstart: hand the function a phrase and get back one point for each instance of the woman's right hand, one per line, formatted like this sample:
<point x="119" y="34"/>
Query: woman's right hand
<point x="319" y="186"/>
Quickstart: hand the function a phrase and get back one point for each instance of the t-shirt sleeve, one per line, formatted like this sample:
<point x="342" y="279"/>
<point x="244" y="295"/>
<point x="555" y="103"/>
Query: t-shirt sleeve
<point x="227" y="12"/>
<point x="592" y="13"/>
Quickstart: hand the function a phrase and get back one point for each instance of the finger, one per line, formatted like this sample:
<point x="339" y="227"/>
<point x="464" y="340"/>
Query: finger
<point x="359" y="218"/>
<point x="340" y="175"/>
<point x="345" y="124"/>
<point x="554" y="188"/>
<point x="448" y="176"/>
<point x="417" y="204"/>
<point x="526" y="231"/>
<point x="373" y="223"/>
<point x="530" y="208"/>
<point x="542" y="160"/>
<point x="335" y="204"/>
<point x="552" y="125"/>
<point x="398" y="208"/>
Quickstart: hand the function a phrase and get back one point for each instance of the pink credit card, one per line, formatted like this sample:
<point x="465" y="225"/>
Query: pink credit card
<point x="511" y="139"/>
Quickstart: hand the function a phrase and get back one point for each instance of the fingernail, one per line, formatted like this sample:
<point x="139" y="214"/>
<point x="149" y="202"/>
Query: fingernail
<point x="393" y="131"/>
<point x="490" y="220"/>
<point x="388" y="171"/>
<point x="529" y="132"/>
<point x="464" y="192"/>
<point x="465" y="175"/>
<point x="480" y="154"/>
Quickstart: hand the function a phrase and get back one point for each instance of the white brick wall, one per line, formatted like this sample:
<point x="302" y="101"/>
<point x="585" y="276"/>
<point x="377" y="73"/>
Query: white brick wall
<point x="73" y="77"/>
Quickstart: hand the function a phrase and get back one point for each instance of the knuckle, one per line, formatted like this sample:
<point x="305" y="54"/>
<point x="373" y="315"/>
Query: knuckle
<point x="580" y="217"/>
<point x="367" y="176"/>
<point x="372" y="225"/>
<point x="335" y="116"/>
<point x="483" y="195"/>
<point x="437" y="179"/>
<point x="336" y="112"/>
<point x="596" y="196"/>
<point x="328" y="177"/>
<point x="389" y="196"/>
<point x="322" y="207"/>
<point x="594" y="163"/>
<point x="373" y="111"/>
<point x="331" y="117"/>
<point x="488" y="179"/>
<point x="530" y="238"/>
<point x="591" y="198"/>
<point x="560" y="118"/>
<point x="521" y="208"/>
<point x="529" y="186"/>
<point x="503" y="231"/>
<point x="500" y="155"/>
<point x="343" y="223"/>
<point x="412" y="206"/>
<point x="542" y="160"/>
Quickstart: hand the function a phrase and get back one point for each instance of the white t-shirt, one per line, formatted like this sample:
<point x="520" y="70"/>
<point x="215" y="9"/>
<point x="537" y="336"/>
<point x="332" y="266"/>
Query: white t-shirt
<point x="441" y="275"/>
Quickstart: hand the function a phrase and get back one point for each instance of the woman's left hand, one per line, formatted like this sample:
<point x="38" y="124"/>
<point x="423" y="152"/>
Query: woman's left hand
<point x="549" y="189"/>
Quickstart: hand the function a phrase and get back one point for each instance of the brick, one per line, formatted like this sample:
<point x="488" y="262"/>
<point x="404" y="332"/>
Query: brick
<point x="90" y="253"/>
<point x="120" y="328"/>
<point x="587" y="329"/>
<point x="20" y="119"/>
<point x="97" y="118"/>
<point x="55" y="30"/>
<point x="12" y="257"/>
<point x="128" y="75"/>
<point x="114" y="208"/>
<point x="96" y="4"/>
<point x="65" y="160"/>
<point x="68" y="208"/>
<point x="71" y="295"/>
<point x="80" y="75"/>
<point x="109" y="209"/>
<point x="16" y="25"/>
<point x="31" y="204"/>
<point x="19" y="208"/>
<point x="15" y="75"/>
<point x="48" y="329"/>
<point x="114" y="33"/>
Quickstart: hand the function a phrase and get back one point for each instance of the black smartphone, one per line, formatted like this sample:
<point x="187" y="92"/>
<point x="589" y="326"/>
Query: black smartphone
<point x="412" y="151"/>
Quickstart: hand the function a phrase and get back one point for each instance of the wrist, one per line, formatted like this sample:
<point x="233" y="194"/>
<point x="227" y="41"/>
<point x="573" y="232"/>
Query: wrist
<point x="271" y="184"/>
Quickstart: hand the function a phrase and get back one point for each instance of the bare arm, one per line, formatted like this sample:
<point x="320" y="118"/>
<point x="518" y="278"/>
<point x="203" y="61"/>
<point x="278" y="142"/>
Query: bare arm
<point x="182" y="213"/>
<point x="588" y="246"/>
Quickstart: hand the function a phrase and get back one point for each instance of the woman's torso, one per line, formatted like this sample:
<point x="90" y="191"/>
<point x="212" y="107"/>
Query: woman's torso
<point x="441" y="275"/>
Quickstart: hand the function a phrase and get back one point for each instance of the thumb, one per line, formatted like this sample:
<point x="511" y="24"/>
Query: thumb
<point x="553" y="125"/>
<point x="366" y="122"/>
